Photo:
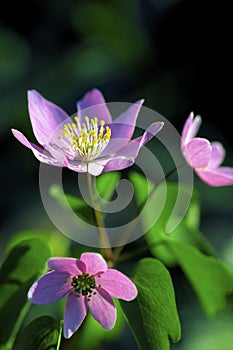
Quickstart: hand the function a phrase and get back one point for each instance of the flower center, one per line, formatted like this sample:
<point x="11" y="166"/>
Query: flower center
<point x="89" y="139"/>
<point x="84" y="284"/>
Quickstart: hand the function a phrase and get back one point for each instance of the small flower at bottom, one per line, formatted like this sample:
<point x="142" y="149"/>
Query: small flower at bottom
<point x="88" y="284"/>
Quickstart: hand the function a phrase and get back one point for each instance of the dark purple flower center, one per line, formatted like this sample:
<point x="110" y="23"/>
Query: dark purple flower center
<point x="84" y="284"/>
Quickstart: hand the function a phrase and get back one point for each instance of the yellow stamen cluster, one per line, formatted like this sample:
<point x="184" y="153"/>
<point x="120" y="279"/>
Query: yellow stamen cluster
<point x="88" y="139"/>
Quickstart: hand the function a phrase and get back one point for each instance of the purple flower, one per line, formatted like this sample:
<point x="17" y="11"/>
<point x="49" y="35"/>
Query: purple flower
<point x="89" y="143"/>
<point x="88" y="284"/>
<point x="204" y="157"/>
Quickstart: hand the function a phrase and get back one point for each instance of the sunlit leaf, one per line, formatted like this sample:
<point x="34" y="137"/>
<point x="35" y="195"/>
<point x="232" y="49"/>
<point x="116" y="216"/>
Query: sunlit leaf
<point x="153" y="315"/>
<point x="210" y="278"/>
<point x="24" y="263"/>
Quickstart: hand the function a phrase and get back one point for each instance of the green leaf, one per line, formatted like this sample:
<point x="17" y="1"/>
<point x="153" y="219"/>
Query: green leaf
<point x="24" y="263"/>
<point x="186" y="231"/>
<point x="211" y="279"/>
<point x="106" y="183"/>
<point x="70" y="202"/>
<point x="153" y="315"/>
<point x="43" y="333"/>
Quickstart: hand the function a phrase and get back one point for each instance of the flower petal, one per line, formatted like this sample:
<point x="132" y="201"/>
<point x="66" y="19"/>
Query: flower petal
<point x="70" y="265"/>
<point x="42" y="155"/>
<point x="78" y="166"/>
<point x="122" y="129"/>
<point x="50" y="287"/>
<point x="93" y="105"/>
<point x="118" y="163"/>
<point x="126" y="156"/>
<point x="102" y="308"/>
<point x="217" y="155"/>
<point x="222" y="176"/>
<point x="197" y="152"/>
<point x="95" y="263"/>
<point x="75" y="312"/>
<point x="191" y="127"/>
<point x="45" y="117"/>
<point x="117" y="285"/>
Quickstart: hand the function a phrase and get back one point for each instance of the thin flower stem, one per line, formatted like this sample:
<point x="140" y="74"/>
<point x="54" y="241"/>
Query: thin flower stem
<point x="103" y="236"/>
<point x="126" y="234"/>
<point x="60" y="333"/>
<point x="139" y="251"/>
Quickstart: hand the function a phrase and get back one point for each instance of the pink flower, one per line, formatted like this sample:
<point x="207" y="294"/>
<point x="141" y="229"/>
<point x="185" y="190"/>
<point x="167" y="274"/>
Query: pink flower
<point x="90" y="143"/>
<point x="203" y="156"/>
<point x="88" y="284"/>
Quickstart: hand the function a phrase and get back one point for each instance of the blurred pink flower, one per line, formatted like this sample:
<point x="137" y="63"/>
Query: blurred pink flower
<point x="93" y="143"/>
<point x="88" y="284"/>
<point x="203" y="156"/>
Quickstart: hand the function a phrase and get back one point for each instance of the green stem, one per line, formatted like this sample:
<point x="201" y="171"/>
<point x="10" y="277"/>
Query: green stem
<point x="126" y="234"/>
<point x="103" y="236"/>
<point x="60" y="333"/>
<point x="139" y="251"/>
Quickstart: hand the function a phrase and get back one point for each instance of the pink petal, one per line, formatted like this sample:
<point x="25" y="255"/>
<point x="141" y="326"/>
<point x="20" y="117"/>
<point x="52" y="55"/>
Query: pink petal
<point x="222" y="176"/>
<point x="95" y="263"/>
<point x="93" y="105"/>
<point x="117" y="285"/>
<point x="197" y="152"/>
<point x="118" y="163"/>
<point x="45" y="117"/>
<point x="42" y="155"/>
<point x="191" y="128"/>
<point x="96" y="167"/>
<point x="151" y="131"/>
<point x="70" y="265"/>
<point x="125" y="157"/>
<point x="122" y="129"/>
<point x="102" y="309"/>
<point x="78" y="166"/>
<point x="217" y="155"/>
<point x="50" y="287"/>
<point x="75" y="312"/>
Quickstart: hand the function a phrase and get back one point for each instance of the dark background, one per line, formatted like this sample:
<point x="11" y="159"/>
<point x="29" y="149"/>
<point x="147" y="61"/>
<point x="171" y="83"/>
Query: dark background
<point x="173" y="53"/>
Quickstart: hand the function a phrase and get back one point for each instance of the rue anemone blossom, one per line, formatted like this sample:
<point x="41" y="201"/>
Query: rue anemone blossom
<point x="88" y="284"/>
<point x="203" y="156"/>
<point x="91" y="142"/>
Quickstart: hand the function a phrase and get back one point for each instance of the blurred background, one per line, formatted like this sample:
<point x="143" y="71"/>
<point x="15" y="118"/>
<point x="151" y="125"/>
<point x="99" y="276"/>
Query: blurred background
<point x="173" y="53"/>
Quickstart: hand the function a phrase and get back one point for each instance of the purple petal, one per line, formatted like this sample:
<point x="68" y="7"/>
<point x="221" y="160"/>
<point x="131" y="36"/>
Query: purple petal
<point x="45" y="117"/>
<point x="93" y="105"/>
<point x="222" y="176"/>
<point x="42" y="155"/>
<point x="75" y="313"/>
<point x="122" y="129"/>
<point x="217" y="155"/>
<point x="197" y="152"/>
<point x="151" y="131"/>
<point x="102" y="309"/>
<point x="125" y="157"/>
<point x="191" y="127"/>
<point x="94" y="262"/>
<point x="118" y="163"/>
<point x="50" y="287"/>
<point x="95" y="168"/>
<point x="70" y="265"/>
<point x="78" y="166"/>
<point x="117" y="285"/>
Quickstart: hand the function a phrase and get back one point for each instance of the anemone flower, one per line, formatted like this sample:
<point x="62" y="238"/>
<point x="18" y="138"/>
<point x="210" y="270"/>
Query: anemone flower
<point x="203" y="156"/>
<point x="88" y="284"/>
<point x="88" y="143"/>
